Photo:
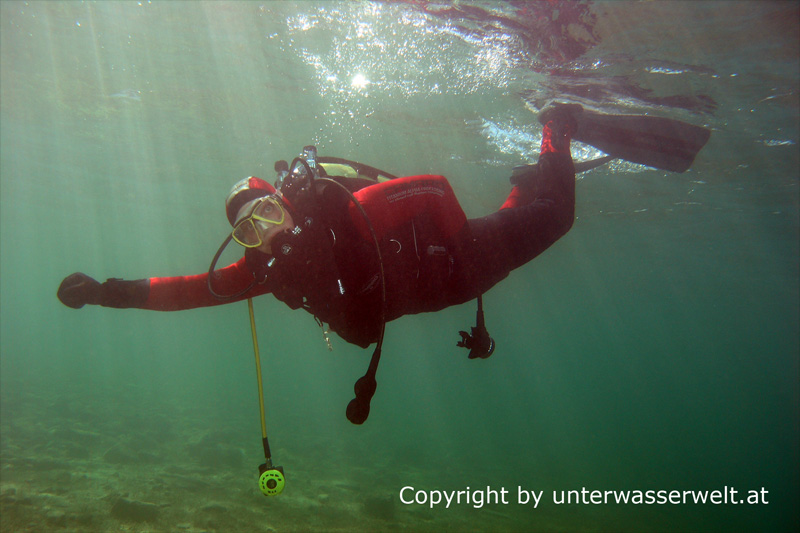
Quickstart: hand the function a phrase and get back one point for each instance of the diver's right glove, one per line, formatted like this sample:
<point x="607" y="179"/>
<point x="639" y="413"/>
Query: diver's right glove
<point x="78" y="289"/>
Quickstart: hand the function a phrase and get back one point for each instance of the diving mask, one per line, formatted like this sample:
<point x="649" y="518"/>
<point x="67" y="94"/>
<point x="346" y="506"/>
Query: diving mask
<point x="266" y="211"/>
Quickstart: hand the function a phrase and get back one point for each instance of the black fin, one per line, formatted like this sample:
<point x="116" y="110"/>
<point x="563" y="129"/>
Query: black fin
<point x="657" y="142"/>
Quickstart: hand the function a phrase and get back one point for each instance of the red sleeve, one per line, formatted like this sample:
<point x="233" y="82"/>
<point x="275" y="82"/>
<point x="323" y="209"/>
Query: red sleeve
<point x="392" y="203"/>
<point x="189" y="292"/>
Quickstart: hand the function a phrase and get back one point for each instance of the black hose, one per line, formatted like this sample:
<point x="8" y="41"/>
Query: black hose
<point x="358" y="408"/>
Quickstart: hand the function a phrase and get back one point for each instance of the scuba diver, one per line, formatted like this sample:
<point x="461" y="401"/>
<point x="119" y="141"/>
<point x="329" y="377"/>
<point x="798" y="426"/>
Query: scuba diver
<point x="357" y="247"/>
<point x="312" y="248"/>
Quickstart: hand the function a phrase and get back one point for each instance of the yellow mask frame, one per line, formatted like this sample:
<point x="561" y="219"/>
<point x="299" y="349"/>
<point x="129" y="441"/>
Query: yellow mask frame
<point x="247" y="233"/>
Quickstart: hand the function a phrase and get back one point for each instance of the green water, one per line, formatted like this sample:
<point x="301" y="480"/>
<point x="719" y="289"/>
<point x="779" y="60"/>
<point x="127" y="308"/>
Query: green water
<point x="655" y="347"/>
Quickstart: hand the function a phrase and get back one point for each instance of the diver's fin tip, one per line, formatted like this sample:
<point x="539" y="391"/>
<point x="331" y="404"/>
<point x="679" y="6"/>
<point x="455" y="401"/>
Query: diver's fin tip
<point x="658" y="142"/>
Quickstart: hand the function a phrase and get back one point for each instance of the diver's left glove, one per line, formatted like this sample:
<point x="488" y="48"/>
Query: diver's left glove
<point x="78" y="289"/>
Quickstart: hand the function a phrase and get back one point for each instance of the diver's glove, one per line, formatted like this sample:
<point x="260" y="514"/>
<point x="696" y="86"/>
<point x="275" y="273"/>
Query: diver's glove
<point x="78" y="289"/>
